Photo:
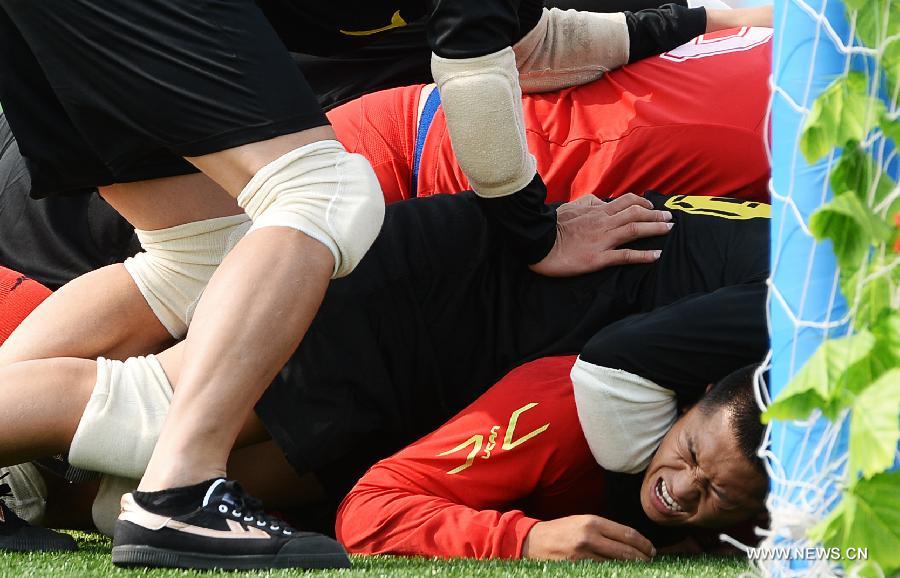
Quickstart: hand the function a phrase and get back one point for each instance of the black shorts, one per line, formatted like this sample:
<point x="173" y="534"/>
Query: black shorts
<point x="104" y="91"/>
<point x="439" y="309"/>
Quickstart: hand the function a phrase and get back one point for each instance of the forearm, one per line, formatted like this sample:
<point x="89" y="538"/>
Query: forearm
<point x="383" y="520"/>
<point x="724" y="19"/>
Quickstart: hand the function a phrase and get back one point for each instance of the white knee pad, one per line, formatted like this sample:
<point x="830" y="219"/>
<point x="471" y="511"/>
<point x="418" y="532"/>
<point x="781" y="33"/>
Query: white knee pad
<point x="483" y="104"/>
<point x="323" y="191"/>
<point x="108" y="502"/>
<point x="569" y="47"/>
<point x="123" y="418"/>
<point x="178" y="262"/>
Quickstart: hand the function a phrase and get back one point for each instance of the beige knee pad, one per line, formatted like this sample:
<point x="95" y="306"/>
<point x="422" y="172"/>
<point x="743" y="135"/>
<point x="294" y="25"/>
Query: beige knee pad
<point x="123" y="418"/>
<point x="178" y="262"/>
<point x="570" y="47"/>
<point x="107" y="503"/>
<point x="323" y="191"/>
<point x="483" y="105"/>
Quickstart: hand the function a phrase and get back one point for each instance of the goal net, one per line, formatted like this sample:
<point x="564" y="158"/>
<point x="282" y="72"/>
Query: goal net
<point x="833" y="392"/>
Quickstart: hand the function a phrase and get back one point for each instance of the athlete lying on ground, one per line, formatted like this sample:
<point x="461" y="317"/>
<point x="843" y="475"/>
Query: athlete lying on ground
<point x="435" y="314"/>
<point x="512" y="475"/>
<point x="688" y="122"/>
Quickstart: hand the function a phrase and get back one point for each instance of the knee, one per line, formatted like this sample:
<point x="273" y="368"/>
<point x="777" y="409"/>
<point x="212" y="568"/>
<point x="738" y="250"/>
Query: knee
<point x="177" y="263"/>
<point x="323" y="191"/>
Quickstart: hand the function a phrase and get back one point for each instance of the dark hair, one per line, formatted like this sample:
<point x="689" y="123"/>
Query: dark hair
<point x="735" y="394"/>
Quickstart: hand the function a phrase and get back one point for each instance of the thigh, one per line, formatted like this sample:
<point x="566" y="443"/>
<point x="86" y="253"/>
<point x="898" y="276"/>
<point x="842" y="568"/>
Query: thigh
<point x="689" y="344"/>
<point x="149" y="82"/>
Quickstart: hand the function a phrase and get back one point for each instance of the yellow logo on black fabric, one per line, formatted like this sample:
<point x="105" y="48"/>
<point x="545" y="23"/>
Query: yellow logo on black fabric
<point x="724" y="207"/>
<point x="397" y="21"/>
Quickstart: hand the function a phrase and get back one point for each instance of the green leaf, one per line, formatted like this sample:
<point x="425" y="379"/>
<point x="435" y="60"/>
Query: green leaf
<point x="819" y="383"/>
<point x="874" y="428"/>
<point x="844" y="112"/>
<point x="856" y="171"/>
<point x="852" y="228"/>
<point x="867" y="517"/>
<point x="869" y="293"/>
<point x="876" y="20"/>
<point x="887" y="334"/>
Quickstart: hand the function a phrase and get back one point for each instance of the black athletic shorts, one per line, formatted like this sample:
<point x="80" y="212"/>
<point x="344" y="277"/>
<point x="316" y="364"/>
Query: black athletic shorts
<point x="103" y="91"/>
<point x="439" y="310"/>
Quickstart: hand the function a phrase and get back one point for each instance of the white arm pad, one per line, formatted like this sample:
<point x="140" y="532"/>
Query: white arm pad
<point x="123" y="418"/>
<point x="569" y="48"/>
<point x="178" y="262"/>
<point x="483" y="105"/>
<point x="623" y="416"/>
<point x="323" y="191"/>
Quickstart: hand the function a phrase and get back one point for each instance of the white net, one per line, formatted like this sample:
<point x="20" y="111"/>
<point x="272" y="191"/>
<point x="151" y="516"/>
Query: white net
<point x="816" y="43"/>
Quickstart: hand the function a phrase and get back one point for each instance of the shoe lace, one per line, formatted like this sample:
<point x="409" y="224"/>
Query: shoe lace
<point x="250" y="510"/>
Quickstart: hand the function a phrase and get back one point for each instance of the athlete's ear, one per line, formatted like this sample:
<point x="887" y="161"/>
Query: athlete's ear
<point x="708" y="387"/>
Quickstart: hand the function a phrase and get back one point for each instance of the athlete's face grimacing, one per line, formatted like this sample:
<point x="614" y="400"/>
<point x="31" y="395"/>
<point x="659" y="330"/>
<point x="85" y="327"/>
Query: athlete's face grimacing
<point x="700" y="477"/>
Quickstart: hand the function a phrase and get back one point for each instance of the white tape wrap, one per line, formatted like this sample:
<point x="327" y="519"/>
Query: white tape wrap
<point x="123" y="418"/>
<point x="177" y="263"/>
<point x="483" y="105"/>
<point x="323" y="191"/>
<point x="569" y="48"/>
<point x="623" y="416"/>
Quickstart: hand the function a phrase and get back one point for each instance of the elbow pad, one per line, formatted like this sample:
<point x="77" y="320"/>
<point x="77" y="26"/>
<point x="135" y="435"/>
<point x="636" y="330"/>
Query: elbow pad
<point x="623" y="416"/>
<point x="483" y="105"/>
<point x="177" y="263"/>
<point x="569" y="48"/>
<point x="324" y="192"/>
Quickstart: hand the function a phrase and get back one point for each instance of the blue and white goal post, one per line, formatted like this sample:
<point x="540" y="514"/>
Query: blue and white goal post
<point x="833" y="393"/>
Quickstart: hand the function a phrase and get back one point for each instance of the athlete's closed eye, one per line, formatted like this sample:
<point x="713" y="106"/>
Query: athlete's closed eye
<point x="692" y="451"/>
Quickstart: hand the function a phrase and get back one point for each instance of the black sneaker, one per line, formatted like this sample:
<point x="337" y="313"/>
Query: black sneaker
<point x="17" y="535"/>
<point x="229" y="531"/>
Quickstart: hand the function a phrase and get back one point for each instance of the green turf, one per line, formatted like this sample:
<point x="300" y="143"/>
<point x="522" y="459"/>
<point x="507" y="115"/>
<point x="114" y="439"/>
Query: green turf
<point x="93" y="560"/>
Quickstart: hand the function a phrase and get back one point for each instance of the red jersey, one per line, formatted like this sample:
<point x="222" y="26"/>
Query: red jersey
<point x="476" y="486"/>
<point x="690" y="121"/>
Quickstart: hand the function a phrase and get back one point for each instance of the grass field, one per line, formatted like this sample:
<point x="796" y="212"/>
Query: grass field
<point x="93" y="560"/>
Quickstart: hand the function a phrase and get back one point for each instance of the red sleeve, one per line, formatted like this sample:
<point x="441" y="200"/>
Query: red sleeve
<point x="454" y="493"/>
<point x="19" y="295"/>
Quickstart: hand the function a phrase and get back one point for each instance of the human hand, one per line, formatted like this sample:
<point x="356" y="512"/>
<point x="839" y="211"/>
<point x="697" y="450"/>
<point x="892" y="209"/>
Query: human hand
<point x="590" y="230"/>
<point x="586" y="538"/>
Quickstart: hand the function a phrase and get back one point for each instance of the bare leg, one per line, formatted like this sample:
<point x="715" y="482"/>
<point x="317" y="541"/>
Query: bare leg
<point x="44" y="399"/>
<point x="253" y="314"/>
<point x="102" y="312"/>
<point x="42" y="403"/>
